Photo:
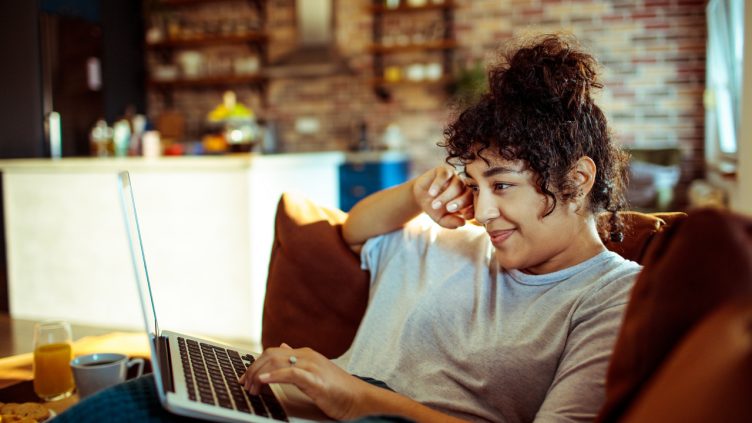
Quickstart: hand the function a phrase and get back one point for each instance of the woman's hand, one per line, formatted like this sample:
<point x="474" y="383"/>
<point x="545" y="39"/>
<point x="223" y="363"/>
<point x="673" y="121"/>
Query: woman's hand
<point x="335" y="392"/>
<point x="444" y="197"/>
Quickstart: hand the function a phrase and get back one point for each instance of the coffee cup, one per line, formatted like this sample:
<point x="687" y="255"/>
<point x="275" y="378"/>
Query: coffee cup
<point x="94" y="372"/>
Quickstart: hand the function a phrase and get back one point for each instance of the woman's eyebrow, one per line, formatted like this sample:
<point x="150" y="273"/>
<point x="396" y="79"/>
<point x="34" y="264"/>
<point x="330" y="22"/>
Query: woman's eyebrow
<point x="497" y="170"/>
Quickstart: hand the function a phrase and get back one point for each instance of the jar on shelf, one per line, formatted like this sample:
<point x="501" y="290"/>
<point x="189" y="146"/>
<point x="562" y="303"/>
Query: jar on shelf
<point x="235" y="122"/>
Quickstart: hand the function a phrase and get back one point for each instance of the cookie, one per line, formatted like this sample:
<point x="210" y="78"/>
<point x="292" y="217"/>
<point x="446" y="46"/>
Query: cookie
<point x="9" y="408"/>
<point x="33" y="410"/>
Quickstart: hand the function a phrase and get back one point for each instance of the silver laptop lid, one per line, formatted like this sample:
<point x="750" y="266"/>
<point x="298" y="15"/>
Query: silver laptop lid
<point x="133" y="231"/>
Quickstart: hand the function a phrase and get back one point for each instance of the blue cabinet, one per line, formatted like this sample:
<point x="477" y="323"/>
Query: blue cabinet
<point x="360" y="176"/>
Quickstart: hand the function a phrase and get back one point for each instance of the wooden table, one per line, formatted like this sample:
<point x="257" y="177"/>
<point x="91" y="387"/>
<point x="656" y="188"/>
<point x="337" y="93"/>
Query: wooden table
<point x="17" y="369"/>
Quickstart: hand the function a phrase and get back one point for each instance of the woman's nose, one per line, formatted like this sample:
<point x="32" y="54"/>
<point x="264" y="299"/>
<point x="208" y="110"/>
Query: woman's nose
<point x="485" y="210"/>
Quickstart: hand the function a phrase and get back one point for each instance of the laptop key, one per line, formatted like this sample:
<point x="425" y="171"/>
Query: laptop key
<point x="275" y="408"/>
<point x="258" y="405"/>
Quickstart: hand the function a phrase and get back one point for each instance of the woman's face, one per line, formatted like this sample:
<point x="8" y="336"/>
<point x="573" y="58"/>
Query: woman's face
<point x="507" y="201"/>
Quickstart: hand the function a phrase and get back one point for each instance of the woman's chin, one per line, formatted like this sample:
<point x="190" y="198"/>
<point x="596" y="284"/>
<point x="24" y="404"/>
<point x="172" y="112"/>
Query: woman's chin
<point x="507" y="261"/>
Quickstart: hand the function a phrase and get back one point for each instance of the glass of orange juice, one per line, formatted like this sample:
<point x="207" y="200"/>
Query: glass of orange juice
<point x="53" y="378"/>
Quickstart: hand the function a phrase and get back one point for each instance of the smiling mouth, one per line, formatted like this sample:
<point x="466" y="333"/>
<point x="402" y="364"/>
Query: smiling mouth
<point x="498" y="237"/>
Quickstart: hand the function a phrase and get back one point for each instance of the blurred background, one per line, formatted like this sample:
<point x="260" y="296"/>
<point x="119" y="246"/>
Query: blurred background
<point x="194" y="96"/>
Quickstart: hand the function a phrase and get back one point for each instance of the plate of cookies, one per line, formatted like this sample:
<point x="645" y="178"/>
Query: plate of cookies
<point x="27" y="412"/>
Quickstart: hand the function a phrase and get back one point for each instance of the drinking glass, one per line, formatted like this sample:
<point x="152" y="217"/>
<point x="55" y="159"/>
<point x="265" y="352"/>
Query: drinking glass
<point x="53" y="378"/>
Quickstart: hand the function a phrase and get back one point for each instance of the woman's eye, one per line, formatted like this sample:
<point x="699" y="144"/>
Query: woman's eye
<point x="501" y="186"/>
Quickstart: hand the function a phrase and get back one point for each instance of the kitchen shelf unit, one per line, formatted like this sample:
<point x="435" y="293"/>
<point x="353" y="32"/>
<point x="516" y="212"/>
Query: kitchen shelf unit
<point x="250" y="80"/>
<point x="170" y="44"/>
<point x="445" y="44"/>
<point x="254" y="37"/>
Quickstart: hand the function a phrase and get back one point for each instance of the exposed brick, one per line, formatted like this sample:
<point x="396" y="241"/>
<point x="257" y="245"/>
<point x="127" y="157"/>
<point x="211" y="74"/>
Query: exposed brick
<point x="643" y="15"/>
<point x="657" y="24"/>
<point x="657" y="3"/>
<point x="532" y="12"/>
<point x="653" y="53"/>
<point x="613" y="17"/>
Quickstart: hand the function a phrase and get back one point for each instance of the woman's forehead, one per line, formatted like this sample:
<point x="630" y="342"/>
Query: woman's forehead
<point x="489" y="164"/>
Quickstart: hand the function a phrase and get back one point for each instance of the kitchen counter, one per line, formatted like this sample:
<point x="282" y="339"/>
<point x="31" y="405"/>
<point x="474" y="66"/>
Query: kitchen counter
<point x="207" y="226"/>
<point x="198" y="163"/>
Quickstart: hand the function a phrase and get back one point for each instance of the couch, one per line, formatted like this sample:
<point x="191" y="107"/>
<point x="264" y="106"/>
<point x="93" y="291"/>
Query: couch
<point x="684" y="352"/>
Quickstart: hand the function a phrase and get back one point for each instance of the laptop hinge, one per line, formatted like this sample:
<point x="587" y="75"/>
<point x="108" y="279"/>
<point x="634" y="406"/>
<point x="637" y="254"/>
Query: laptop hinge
<point x="165" y="364"/>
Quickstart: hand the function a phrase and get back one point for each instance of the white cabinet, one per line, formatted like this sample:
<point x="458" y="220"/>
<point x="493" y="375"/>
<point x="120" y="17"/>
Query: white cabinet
<point x="207" y="226"/>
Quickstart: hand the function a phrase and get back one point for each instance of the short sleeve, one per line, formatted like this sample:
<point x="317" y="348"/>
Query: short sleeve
<point x="413" y="237"/>
<point x="578" y="389"/>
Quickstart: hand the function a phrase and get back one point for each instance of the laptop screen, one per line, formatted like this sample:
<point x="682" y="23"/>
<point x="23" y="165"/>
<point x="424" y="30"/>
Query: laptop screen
<point x="128" y="205"/>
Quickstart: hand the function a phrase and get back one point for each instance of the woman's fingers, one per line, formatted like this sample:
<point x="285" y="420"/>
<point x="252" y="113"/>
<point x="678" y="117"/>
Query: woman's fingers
<point x="266" y="359"/>
<point x="272" y="360"/>
<point x="304" y="380"/>
<point x="451" y="221"/>
<point x="461" y="199"/>
<point x="442" y="177"/>
<point x="335" y="391"/>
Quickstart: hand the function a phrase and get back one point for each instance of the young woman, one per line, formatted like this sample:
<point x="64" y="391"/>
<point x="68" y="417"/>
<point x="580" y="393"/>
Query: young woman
<point x="513" y="317"/>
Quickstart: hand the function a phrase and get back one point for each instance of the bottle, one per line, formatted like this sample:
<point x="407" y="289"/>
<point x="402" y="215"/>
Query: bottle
<point x="393" y="139"/>
<point x="362" y="137"/>
<point x="151" y="143"/>
<point x="55" y="135"/>
<point x="121" y="137"/>
<point x="100" y="138"/>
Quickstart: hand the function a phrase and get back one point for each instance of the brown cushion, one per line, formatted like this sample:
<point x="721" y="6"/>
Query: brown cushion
<point x="316" y="292"/>
<point x="708" y="377"/>
<point x="639" y="231"/>
<point x="691" y="268"/>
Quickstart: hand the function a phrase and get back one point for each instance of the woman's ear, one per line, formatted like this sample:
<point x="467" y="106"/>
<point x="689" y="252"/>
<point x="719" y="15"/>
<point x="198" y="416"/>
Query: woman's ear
<point x="584" y="176"/>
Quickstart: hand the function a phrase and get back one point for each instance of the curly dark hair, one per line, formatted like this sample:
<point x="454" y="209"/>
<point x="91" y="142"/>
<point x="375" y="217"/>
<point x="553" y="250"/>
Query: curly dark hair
<point x="539" y="109"/>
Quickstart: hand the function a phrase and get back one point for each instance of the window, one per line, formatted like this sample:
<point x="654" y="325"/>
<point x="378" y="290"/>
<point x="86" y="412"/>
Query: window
<point x="723" y="81"/>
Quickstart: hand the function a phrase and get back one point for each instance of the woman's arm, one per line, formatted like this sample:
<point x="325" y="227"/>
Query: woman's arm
<point x="382" y="401"/>
<point x="337" y="393"/>
<point x="439" y="193"/>
<point x="379" y="213"/>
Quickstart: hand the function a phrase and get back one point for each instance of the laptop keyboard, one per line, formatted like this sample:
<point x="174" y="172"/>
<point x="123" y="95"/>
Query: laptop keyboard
<point x="211" y="376"/>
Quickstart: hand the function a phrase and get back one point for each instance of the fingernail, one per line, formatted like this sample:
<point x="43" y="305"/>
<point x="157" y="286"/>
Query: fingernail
<point x="452" y="207"/>
<point x="433" y="191"/>
<point x="264" y="377"/>
<point x="436" y="204"/>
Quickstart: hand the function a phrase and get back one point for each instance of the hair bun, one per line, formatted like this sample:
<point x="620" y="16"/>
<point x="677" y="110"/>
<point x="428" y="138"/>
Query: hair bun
<point x="546" y="74"/>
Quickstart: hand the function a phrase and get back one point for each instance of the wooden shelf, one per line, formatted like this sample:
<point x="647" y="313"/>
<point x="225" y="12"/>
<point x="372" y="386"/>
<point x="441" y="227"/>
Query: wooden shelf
<point x="209" y="82"/>
<point x="441" y="81"/>
<point x="209" y="41"/>
<point x="177" y="3"/>
<point x="403" y="8"/>
<point x="432" y="45"/>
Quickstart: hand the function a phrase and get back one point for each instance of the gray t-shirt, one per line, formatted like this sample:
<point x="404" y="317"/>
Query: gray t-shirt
<point x="449" y="328"/>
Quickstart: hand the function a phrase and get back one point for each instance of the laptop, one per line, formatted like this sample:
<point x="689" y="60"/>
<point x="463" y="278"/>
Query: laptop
<point x="199" y="378"/>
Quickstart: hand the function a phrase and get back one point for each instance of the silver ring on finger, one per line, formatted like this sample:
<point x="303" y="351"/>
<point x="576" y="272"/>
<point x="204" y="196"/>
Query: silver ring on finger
<point x="292" y="360"/>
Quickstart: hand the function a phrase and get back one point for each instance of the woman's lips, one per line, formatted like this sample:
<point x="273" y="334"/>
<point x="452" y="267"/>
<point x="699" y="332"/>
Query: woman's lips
<point x="498" y="237"/>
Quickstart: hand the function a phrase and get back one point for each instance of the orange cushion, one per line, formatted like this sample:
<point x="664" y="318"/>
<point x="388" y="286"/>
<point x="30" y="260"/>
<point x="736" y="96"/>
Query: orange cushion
<point x="316" y="292"/>
<point x="691" y="268"/>
<point x="639" y="231"/>
<point x="708" y="377"/>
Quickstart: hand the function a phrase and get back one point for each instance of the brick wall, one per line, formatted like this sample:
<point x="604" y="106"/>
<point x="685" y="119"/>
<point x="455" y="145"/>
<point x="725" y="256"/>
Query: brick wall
<point x="652" y="52"/>
<point x="653" y="57"/>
